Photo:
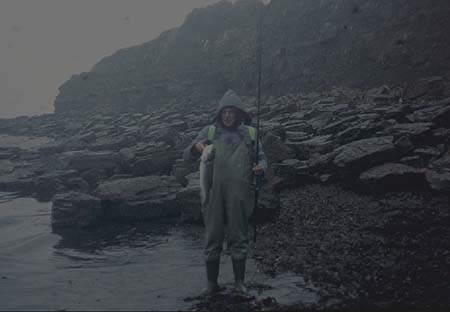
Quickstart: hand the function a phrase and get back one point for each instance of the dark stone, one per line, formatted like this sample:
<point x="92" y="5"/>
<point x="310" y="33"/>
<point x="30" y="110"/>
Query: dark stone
<point x="275" y="150"/>
<point x="392" y="177"/>
<point x="439" y="182"/>
<point x="138" y="199"/>
<point x="86" y="160"/>
<point x="291" y="173"/>
<point x="355" y="157"/>
<point x="75" y="210"/>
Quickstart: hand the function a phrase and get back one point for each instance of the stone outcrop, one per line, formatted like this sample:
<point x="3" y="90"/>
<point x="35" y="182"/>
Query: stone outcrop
<point x="342" y="135"/>
<point x="139" y="199"/>
<point x="74" y="209"/>
<point x="308" y="45"/>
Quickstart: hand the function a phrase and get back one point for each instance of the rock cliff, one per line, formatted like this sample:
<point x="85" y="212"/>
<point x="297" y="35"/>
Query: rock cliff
<point x="308" y="45"/>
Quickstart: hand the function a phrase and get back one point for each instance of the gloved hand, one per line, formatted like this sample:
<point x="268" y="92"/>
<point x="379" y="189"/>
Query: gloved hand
<point x="258" y="169"/>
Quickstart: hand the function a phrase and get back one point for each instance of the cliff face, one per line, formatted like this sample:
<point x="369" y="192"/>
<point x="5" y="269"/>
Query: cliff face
<point x="308" y="44"/>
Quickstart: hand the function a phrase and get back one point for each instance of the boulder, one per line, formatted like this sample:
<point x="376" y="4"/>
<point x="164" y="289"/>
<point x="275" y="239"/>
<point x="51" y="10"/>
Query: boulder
<point x="51" y="183"/>
<point x="431" y="86"/>
<point x="74" y="209"/>
<point x="362" y="129"/>
<point x="21" y="179"/>
<point x="320" y="144"/>
<point x="438" y="113"/>
<point x="85" y="160"/>
<point x="439" y="182"/>
<point x="426" y="153"/>
<point x="189" y="198"/>
<point x="275" y="150"/>
<point x="182" y="169"/>
<point x="441" y="164"/>
<point x="138" y="199"/>
<point x="113" y="143"/>
<point x="291" y="173"/>
<point x="157" y="158"/>
<point x="337" y="125"/>
<point x="355" y="157"/>
<point x="418" y="132"/>
<point x="392" y="177"/>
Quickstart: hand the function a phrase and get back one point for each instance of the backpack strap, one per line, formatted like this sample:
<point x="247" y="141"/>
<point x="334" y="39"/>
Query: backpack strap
<point x="211" y="133"/>
<point x="251" y="133"/>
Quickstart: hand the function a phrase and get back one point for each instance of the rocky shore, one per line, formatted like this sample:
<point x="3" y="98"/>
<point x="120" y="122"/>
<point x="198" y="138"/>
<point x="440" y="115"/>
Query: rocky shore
<point x="360" y="179"/>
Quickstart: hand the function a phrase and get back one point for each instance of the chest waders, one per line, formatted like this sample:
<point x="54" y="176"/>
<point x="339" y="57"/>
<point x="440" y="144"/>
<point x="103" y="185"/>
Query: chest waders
<point x="231" y="199"/>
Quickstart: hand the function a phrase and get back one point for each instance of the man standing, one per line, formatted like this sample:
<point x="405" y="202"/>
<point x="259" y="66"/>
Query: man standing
<point x="232" y="194"/>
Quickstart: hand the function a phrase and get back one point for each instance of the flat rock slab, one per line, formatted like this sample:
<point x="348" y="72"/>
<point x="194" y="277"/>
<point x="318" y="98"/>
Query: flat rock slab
<point x="438" y="181"/>
<point x="410" y="129"/>
<point x="189" y="198"/>
<point x="24" y="143"/>
<point x="290" y="173"/>
<point x="320" y="144"/>
<point x="74" y="209"/>
<point x="85" y="160"/>
<point x="393" y="177"/>
<point x="140" y="198"/>
<point x="359" y="155"/>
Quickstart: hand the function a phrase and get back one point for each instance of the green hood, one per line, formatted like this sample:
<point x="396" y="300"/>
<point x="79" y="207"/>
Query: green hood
<point x="230" y="98"/>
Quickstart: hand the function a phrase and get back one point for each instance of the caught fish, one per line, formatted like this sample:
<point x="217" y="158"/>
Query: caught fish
<point x="206" y="173"/>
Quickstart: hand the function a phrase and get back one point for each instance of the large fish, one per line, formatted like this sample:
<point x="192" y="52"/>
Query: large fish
<point x="206" y="174"/>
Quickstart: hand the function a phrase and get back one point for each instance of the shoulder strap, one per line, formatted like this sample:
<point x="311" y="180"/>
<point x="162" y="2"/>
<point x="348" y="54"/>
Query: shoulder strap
<point x="252" y="133"/>
<point x="211" y="132"/>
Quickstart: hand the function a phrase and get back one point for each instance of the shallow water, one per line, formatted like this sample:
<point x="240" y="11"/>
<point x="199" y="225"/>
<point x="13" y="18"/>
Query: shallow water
<point x="146" y="267"/>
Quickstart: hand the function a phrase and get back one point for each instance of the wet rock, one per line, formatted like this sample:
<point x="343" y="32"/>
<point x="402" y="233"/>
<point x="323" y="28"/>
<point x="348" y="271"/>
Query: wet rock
<point x="426" y="153"/>
<point x="404" y="144"/>
<point x="189" y="198"/>
<point x="54" y="182"/>
<point x="414" y="161"/>
<point x="359" y="249"/>
<point x="419" y="132"/>
<point x="320" y="144"/>
<point x="442" y="163"/>
<point x="109" y="143"/>
<point x="355" y="157"/>
<point x="157" y="158"/>
<point x="392" y="177"/>
<point x="6" y="155"/>
<point x="275" y="150"/>
<point x="439" y="182"/>
<point x="360" y="130"/>
<point x="291" y="172"/>
<point x="21" y="179"/>
<point x="437" y="112"/>
<point x="139" y="199"/>
<point x="6" y="166"/>
<point x="24" y="143"/>
<point x="182" y="169"/>
<point x="432" y="86"/>
<point x="296" y="136"/>
<point x="85" y="160"/>
<point x="75" y="210"/>
<point x="337" y="125"/>
<point x="320" y="163"/>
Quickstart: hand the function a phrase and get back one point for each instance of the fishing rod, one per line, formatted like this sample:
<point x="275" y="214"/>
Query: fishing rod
<point x="258" y="178"/>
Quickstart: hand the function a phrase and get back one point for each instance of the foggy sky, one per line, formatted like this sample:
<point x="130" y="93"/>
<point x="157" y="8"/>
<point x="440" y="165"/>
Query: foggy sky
<point x="44" y="42"/>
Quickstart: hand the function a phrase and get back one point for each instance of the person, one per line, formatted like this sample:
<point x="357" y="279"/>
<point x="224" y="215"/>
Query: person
<point x="232" y="196"/>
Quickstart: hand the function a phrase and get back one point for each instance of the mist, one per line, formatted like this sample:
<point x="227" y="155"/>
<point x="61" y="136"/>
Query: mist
<point x="43" y="43"/>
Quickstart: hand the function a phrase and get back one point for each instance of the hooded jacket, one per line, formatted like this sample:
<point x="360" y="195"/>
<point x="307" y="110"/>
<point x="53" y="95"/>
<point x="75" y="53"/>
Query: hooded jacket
<point x="229" y="99"/>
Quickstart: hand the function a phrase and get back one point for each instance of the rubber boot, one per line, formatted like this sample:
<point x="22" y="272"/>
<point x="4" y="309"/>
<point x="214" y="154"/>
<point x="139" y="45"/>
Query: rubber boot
<point x="212" y="273"/>
<point x="239" y="276"/>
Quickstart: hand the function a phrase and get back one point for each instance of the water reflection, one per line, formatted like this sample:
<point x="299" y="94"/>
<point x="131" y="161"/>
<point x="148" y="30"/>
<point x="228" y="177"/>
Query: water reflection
<point x="151" y="266"/>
